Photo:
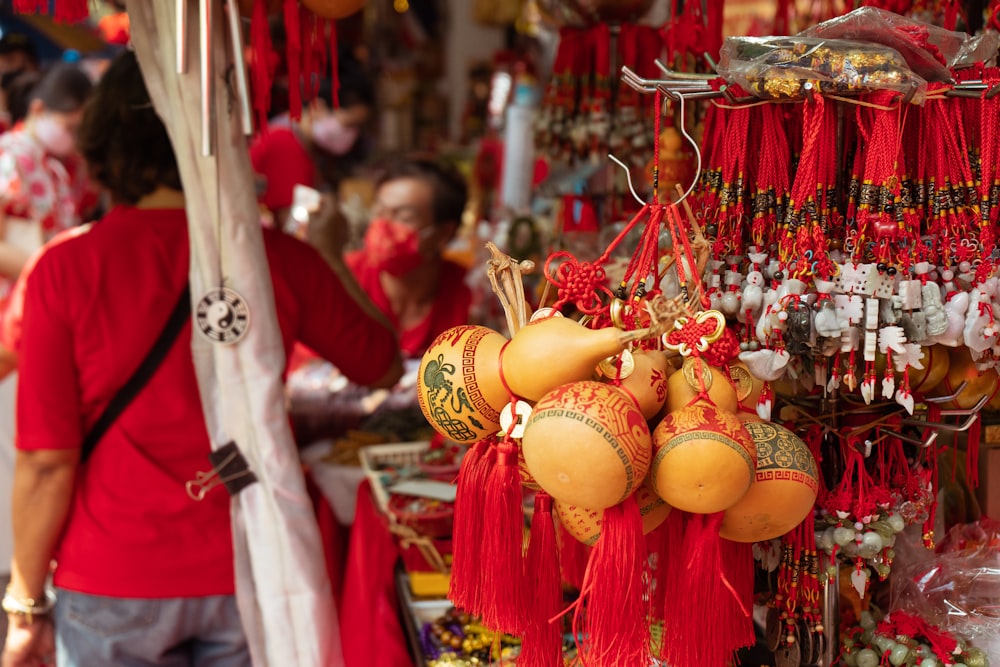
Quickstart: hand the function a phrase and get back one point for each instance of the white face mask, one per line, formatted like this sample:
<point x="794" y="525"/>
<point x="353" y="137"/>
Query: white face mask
<point x="53" y="136"/>
<point x="332" y="136"/>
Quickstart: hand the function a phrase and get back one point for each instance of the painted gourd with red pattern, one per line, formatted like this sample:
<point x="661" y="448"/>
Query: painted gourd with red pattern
<point x="586" y="444"/>
<point x="585" y="525"/>
<point x="703" y="459"/>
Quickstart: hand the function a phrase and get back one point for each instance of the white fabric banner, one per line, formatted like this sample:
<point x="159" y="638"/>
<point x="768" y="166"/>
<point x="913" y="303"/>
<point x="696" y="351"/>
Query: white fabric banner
<point x="282" y="587"/>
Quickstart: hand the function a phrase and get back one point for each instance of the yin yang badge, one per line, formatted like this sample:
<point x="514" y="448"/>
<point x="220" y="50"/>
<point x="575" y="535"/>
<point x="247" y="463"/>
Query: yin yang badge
<point x="222" y="316"/>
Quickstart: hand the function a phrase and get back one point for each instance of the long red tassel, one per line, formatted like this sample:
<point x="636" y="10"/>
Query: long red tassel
<point x="696" y="572"/>
<point x="972" y="439"/>
<point x="573" y="557"/>
<point x="71" y="11"/>
<point x="737" y="563"/>
<point x="31" y="6"/>
<point x="501" y="551"/>
<point x="465" y="589"/>
<point x="617" y="624"/>
<point x="667" y="537"/>
<point x="334" y="64"/>
<point x="308" y="40"/>
<point x="541" y="645"/>
<point x="293" y="58"/>
<point x="261" y="73"/>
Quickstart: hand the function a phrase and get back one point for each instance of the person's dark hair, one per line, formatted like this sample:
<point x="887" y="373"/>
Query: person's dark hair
<point x="354" y="86"/>
<point x="18" y="42"/>
<point x="447" y="184"/>
<point x="17" y="87"/>
<point x="124" y="142"/>
<point x="64" y="87"/>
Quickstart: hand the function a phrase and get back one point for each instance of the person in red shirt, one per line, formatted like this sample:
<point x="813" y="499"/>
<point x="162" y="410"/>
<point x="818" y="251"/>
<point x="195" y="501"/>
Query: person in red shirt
<point x="417" y="210"/>
<point x="144" y="574"/>
<point x="308" y="153"/>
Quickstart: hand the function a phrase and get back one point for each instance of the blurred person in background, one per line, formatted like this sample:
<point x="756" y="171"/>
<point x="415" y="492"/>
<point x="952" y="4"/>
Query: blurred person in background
<point x="314" y="151"/>
<point x="42" y="186"/>
<point x="417" y="211"/>
<point x="144" y="573"/>
<point x="17" y="58"/>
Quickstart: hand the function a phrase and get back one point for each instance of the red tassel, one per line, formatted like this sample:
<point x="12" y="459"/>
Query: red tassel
<point x="31" y="6"/>
<point x="293" y="58"/>
<point x="501" y="551"/>
<point x="573" y="557"/>
<point x="697" y="572"/>
<point x="972" y="452"/>
<point x="465" y="588"/>
<point x="666" y="537"/>
<point x="308" y="40"/>
<point x="334" y="64"/>
<point x="617" y="627"/>
<point x="541" y="645"/>
<point x="261" y="73"/>
<point x="71" y="11"/>
<point x="736" y="559"/>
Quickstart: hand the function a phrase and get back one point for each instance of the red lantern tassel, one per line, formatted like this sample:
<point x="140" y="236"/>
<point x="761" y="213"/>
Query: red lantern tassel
<point x="293" y="59"/>
<point x="737" y="563"/>
<point x="308" y="40"/>
<point x="465" y="589"/>
<point x="697" y="572"/>
<point x="617" y="623"/>
<point x="261" y="73"/>
<point x="501" y="551"/>
<point x="573" y="557"/>
<point x="541" y="645"/>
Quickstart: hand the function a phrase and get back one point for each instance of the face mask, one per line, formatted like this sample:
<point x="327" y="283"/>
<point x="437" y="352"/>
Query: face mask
<point x="393" y="247"/>
<point x="333" y="136"/>
<point x="53" y="136"/>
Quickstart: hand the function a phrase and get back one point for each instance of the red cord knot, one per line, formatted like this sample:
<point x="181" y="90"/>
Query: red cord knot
<point x="579" y="283"/>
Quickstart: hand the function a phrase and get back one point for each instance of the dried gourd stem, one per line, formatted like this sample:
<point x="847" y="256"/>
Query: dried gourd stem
<point x="545" y="295"/>
<point x="505" y="277"/>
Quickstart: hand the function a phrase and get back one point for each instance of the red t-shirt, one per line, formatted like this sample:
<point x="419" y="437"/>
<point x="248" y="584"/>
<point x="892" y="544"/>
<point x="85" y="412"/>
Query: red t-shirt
<point x="94" y="303"/>
<point x="450" y="309"/>
<point x="283" y="161"/>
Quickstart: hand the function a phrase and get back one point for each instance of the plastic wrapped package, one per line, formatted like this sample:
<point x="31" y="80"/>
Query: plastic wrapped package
<point x="780" y="67"/>
<point x="956" y="588"/>
<point x="977" y="49"/>
<point x="929" y="50"/>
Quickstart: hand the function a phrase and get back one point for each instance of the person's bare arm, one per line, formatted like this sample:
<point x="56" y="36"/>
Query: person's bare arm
<point x="43" y="491"/>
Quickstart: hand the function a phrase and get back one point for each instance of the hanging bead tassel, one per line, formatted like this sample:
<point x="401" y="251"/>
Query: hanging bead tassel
<point x="541" y="645"/>
<point x="293" y="58"/>
<point x="261" y="71"/>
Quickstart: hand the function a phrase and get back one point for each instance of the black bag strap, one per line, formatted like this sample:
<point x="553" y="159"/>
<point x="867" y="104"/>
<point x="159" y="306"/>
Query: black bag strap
<point x="142" y="374"/>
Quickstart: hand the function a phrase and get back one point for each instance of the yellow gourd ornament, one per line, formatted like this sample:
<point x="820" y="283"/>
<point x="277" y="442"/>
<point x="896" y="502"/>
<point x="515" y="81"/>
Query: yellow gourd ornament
<point x="783" y="491"/>
<point x="586" y="444"/>
<point x="459" y="387"/>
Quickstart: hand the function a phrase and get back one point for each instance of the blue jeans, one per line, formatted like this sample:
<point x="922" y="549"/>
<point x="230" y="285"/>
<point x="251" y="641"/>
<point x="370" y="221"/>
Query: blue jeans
<point x="93" y="631"/>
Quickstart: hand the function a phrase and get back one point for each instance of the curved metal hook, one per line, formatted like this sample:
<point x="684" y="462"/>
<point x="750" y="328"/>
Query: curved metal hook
<point x="694" y="144"/>
<point x="628" y="176"/>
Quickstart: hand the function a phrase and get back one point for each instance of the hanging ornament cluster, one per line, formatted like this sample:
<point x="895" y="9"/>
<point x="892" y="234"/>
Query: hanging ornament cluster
<point x="585" y="112"/>
<point x="905" y="640"/>
<point x="637" y="427"/>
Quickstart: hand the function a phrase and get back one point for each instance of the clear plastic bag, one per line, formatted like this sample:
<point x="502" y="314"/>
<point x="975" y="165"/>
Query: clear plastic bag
<point x="929" y="50"/>
<point x="780" y="67"/>
<point x="957" y="588"/>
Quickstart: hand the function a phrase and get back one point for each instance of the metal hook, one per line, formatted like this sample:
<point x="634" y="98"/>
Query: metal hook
<point x="628" y="176"/>
<point x="951" y="428"/>
<point x="672" y="74"/>
<point x="950" y="397"/>
<point x="694" y="144"/>
<point x="932" y="436"/>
